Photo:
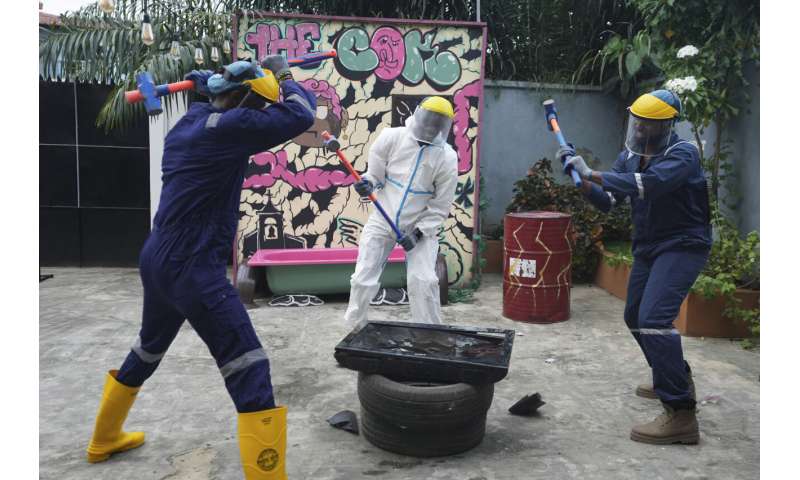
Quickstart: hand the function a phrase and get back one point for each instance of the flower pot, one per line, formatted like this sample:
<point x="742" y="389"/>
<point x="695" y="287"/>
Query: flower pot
<point x="703" y="317"/>
<point x="614" y="280"/>
<point x="493" y="254"/>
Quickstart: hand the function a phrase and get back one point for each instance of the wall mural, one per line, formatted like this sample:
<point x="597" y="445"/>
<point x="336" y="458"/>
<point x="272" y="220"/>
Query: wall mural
<point x="298" y="195"/>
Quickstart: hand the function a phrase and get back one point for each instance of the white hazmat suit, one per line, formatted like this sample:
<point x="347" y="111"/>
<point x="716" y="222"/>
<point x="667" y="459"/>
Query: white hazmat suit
<point x="415" y="182"/>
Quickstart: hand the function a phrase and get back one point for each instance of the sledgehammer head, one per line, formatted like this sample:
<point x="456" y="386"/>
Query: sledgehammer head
<point x="550" y="112"/>
<point x="146" y="86"/>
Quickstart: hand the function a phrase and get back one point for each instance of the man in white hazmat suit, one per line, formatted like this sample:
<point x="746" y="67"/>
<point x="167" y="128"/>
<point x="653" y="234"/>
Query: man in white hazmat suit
<point x="414" y="173"/>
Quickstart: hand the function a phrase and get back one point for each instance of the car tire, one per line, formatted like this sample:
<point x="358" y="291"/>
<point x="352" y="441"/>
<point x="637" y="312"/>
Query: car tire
<point x="418" y="405"/>
<point x="393" y="438"/>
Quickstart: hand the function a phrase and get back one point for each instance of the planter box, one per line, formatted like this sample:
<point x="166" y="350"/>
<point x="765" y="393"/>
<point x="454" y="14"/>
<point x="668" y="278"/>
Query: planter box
<point x="614" y="280"/>
<point x="493" y="256"/>
<point x="702" y="317"/>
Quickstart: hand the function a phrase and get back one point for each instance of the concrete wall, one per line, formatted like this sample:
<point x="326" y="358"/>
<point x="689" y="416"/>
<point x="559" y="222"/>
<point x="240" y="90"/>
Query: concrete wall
<point x="514" y="134"/>
<point x="159" y="127"/>
<point x="744" y="133"/>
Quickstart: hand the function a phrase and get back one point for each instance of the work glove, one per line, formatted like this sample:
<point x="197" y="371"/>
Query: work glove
<point x="333" y="144"/>
<point x="578" y="164"/>
<point x="409" y="240"/>
<point x="200" y="79"/>
<point x="363" y="187"/>
<point x="279" y="67"/>
<point x="564" y="152"/>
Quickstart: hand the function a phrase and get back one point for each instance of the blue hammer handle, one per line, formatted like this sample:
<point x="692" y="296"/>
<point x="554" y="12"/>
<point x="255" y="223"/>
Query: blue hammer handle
<point x="552" y="123"/>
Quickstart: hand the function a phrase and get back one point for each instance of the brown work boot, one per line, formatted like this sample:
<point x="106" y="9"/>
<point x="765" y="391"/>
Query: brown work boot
<point x="672" y="426"/>
<point x="646" y="390"/>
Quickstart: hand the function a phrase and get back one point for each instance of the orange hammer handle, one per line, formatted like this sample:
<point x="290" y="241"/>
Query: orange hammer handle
<point x="135" y="96"/>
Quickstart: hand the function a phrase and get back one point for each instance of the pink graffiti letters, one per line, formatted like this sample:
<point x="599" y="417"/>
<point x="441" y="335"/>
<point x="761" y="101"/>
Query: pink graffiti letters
<point x="275" y="167"/>
<point x="298" y="39"/>
<point x="387" y="42"/>
<point x="461" y="124"/>
<point x="411" y="58"/>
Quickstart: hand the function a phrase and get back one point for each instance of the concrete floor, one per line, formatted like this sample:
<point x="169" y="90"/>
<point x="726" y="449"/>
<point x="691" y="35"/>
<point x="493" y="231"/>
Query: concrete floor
<point x="586" y="370"/>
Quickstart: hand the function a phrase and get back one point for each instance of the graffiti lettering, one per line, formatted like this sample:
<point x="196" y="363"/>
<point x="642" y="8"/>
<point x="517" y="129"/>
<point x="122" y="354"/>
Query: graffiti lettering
<point x="390" y="55"/>
<point x="266" y="39"/>
<point x="354" y="52"/>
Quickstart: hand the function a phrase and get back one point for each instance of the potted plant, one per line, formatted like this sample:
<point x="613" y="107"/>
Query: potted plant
<point x="724" y="301"/>
<point x="493" y="253"/>
<point x="614" y="266"/>
<point x="538" y="190"/>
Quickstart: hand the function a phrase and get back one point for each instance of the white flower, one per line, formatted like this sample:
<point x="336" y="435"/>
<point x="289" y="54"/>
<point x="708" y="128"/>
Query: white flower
<point x="681" y="85"/>
<point x="688" y="51"/>
<point x="690" y="83"/>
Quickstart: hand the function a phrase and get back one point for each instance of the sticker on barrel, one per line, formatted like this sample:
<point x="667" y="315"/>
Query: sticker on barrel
<point x="522" y="267"/>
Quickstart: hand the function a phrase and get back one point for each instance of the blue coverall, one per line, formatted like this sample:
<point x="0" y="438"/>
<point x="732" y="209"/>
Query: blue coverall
<point x="183" y="262"/>
<point x="671" y="242"/>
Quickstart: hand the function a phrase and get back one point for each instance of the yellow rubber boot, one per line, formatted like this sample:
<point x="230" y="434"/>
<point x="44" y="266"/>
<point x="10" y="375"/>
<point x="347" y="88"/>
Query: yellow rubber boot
<point x="262" y="444"/>
<point x="108" y="436"/>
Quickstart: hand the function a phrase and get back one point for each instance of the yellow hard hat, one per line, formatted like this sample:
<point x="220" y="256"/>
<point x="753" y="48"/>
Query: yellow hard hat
<point x="657" y="105"/>
<point x="439" y="105"/>
<point x="266" y="86"/>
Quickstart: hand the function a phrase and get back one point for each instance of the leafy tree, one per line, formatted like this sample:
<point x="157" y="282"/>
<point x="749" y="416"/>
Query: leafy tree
<point x="533" y="40"/>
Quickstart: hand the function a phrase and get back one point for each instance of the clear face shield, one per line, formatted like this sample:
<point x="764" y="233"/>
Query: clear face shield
<point x="430" y="127"/>
<point x="646" y="136"/>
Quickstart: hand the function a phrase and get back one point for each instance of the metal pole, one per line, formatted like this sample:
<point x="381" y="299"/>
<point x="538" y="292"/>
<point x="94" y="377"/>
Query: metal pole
<point x="479" y="11"/>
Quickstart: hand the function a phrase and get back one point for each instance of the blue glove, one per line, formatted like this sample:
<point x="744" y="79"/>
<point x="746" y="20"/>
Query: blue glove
<point x="278" y="65"/>
<point x="200" y="79"/>
<point x="578" y="164"/>
<point x="242" y="70"/>
<point x="363" y="187"/>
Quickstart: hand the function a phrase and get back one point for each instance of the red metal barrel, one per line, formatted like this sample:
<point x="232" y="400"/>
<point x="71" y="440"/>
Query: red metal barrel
<point x="537" y="269"/>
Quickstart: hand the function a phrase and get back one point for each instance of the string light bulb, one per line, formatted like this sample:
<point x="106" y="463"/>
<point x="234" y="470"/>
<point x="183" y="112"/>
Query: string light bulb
<point x="147" y="31"/>
<point x="107" y="6"/>
<point x="226" y="47"/>
<point x="198" y="56"/>
<point x="175" y="49"/>
<point x="214" y="54"/>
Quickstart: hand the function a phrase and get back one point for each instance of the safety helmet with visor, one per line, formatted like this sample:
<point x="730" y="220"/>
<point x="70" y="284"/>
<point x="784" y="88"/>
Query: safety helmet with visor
<point x="261" y="86"/>
<point x="433" y="118"/>
<point x="650" y="123"/>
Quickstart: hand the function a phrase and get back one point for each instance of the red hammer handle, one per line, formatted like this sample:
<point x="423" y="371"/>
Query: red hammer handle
<point x="134" y="96"/>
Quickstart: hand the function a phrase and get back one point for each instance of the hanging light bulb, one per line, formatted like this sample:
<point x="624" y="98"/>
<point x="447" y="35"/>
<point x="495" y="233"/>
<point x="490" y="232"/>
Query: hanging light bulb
<point x="198" y="56"/>
<point x="107" y="6"/>
<point x="175" y="49"/>
<point x="147" y="31"/>
<point x="226" y="47"/>
<point x="214" y="54"/>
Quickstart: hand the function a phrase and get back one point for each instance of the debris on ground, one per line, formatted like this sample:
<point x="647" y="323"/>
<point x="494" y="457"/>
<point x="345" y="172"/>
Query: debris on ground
<point x="345" y="420"/>
<point x="527" y="405"/>
<point x="710" y="400"/>
<point x="296" y="301"/>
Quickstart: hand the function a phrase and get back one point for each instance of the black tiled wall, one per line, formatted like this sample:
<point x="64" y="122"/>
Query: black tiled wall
<point x="94" y="190"/>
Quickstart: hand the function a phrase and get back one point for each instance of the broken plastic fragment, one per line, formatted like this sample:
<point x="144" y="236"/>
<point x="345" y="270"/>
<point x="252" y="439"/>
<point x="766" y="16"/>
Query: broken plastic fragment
<point x="527" y="405"/>
<point x="345" y="420"/>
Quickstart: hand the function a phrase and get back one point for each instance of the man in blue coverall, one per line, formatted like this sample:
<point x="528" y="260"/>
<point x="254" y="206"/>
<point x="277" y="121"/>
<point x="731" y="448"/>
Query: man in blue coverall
<point x="183" y="261"/>
<point x="662" y="176"/>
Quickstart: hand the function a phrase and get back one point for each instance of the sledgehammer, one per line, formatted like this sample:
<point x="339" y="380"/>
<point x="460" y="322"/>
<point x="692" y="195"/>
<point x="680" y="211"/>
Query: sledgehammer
<point x="551" y="117"/>
<point x="333" y="143"/>
<point x="148" y="92"/>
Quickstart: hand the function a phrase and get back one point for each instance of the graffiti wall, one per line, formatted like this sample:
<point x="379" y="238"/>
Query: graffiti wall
<point x="298" y="195"/>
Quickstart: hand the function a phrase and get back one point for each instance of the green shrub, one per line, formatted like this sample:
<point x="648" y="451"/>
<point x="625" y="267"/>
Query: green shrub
<point x="539" y="191"/>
